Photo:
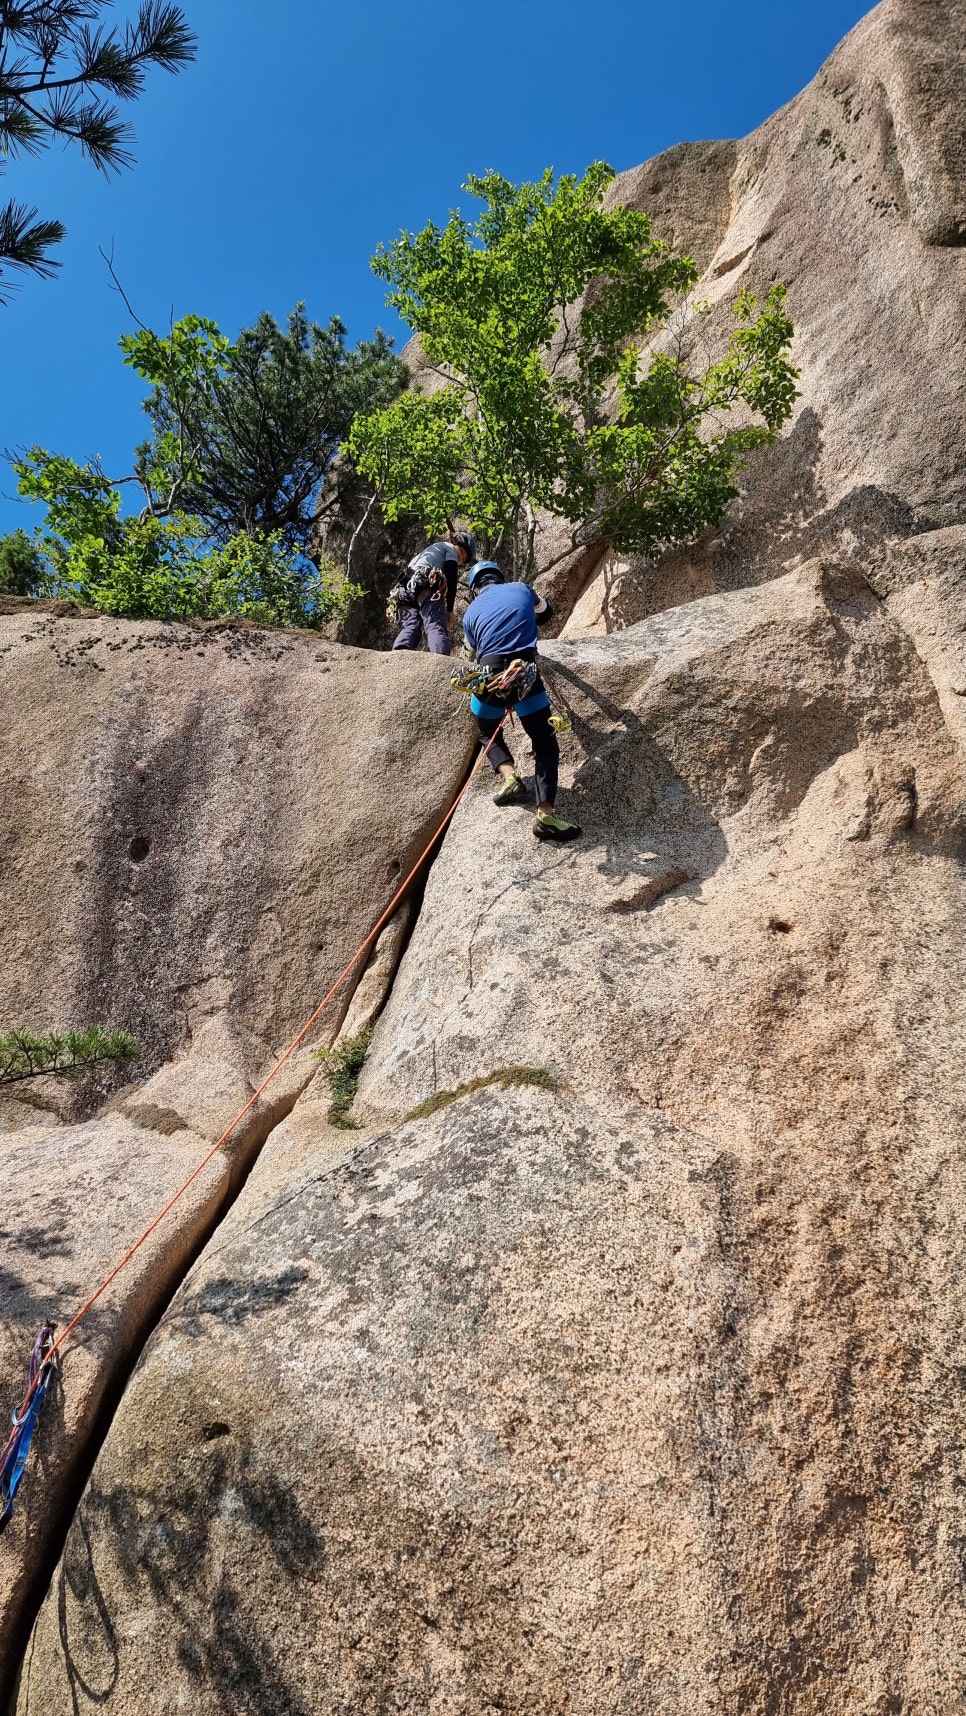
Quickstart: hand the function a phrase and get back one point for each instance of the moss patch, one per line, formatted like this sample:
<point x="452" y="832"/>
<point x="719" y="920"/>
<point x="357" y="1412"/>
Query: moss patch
<point x="505" y="1076"/>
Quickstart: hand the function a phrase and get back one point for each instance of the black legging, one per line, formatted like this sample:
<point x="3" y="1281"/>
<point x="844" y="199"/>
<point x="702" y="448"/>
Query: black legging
<point x="546" y="751"/>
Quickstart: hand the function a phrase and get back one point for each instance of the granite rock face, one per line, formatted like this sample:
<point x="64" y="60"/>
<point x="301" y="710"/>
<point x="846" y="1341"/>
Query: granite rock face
<point x="760" y="777"/>
<point x="447" y="1421"/>
<point x="617" y="1366"/>
<point x="638" y="1395"/>
<point x="855" y="195"/>
<point x="197" y="829"/>
<point x="203" y="822"/>
<point x="74" y="1199"/>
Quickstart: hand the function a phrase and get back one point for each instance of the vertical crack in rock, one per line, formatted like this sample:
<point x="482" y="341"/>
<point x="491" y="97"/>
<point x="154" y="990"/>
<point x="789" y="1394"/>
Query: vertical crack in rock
<point x="258" y="902"/>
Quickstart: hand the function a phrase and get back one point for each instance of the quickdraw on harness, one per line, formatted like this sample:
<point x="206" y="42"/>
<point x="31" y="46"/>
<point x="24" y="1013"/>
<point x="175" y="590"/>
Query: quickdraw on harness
<point x="560" y="721"/>
<point x="422" y="585"/>
<point x="503" y="686"/>
<point x="14" y="1456"/>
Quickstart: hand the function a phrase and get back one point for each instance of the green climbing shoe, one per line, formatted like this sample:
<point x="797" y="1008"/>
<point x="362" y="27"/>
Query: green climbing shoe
<point x="549" y="826"/>
<point x="512" y="791"/>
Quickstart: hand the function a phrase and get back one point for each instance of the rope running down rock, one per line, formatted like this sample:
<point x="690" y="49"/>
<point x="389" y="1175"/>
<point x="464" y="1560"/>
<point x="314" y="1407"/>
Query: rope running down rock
<point x="363" y="949"/>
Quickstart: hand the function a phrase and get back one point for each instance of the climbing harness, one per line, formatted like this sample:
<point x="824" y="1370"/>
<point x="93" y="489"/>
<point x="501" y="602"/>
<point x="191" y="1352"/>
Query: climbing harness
<point x="14" y="1456"/>
<point x="423" y="585"/>
<point x="46" y="1348"/>
<point x="510" y="685"/>
<point x="503" y="686"/>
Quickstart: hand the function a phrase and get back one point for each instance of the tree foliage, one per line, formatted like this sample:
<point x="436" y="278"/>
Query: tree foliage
<point x="145" y="567"/>
<point x="234" y="479"/>
<point x="62" y="74"/>
<point x="62" y="1054"/>
<point x="534" y="319"/>
<point x="245" y="434"/>
<point x="22" y="569"/>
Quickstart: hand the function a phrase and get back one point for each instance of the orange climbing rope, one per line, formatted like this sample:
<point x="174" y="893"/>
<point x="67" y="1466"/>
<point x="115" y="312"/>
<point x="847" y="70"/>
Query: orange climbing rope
<point x="55" y="1346"/>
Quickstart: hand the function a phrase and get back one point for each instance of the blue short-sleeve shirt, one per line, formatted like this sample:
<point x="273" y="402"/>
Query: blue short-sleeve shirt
<point x="502" y="620"/>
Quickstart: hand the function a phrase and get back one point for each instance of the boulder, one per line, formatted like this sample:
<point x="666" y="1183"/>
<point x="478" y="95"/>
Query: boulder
<point x="434" y="1430"/>
<point x="201" y="822"/>
<point x="772" y="803"/>
<point x="209" y="1088"/>
<point x="74" y="1199"/>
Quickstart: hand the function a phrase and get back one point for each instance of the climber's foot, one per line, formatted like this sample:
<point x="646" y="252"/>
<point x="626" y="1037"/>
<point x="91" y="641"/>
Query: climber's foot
<point x="549" y="826"/>
<point x="512" y="791"/>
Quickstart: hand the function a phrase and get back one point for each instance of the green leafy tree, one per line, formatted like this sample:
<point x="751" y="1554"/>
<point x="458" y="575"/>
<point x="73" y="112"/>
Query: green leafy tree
<point x="246" y="433"/>
<point x="234" y="480"/>
<point x="145" y="567"/>
<point x="572" y="380"/>
<point x="22" y="570"/>
<point x="62" y="1054"/>
<point x="242" y="465"/>
<point x="61" y="76"/>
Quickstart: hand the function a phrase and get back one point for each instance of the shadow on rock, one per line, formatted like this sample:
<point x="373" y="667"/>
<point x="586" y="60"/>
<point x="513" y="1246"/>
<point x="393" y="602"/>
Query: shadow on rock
<point x="235" y="1301"/>
<point x="172" y="1547"/>
<point x="634" y="792"/>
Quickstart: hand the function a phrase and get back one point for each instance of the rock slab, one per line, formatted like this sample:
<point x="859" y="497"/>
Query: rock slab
<point x="198" y="827"/>
<point x="439" y="1429"/>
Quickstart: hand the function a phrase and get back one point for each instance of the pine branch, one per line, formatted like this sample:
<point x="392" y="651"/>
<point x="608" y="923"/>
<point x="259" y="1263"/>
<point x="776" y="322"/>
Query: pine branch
<point x="21" y="132"/>
<point x="24" y="243"/>
<point x="161" y="36"/>
<point x="52" y="61"/>
<point x="103" y="61"/>
<point x="62" y="1054"/>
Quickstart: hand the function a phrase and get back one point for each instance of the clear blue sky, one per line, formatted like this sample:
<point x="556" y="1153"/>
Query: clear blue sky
<point x="305" y="133"/>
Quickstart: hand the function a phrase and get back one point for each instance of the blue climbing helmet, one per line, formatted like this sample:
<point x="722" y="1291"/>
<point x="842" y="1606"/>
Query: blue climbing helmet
<point x="483" y="573"/>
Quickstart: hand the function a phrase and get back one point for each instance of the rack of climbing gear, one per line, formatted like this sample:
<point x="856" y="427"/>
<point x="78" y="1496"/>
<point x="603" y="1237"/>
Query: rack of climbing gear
<point x="503" y="686"/>
<point x="510" y="685"/>
<point x="46" y="1349"/>
<point x="13" y="1459"/>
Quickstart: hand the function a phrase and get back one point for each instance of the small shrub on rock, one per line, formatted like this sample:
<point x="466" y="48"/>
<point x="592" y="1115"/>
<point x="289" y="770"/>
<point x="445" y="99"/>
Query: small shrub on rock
<point x="344" y="1063"/>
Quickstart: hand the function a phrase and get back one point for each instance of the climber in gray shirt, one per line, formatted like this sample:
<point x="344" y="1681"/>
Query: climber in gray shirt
<point x="426" y="592"/>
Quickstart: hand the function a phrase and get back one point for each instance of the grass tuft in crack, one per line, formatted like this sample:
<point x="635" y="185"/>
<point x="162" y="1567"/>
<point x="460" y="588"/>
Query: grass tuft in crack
<point x="344" y="1062"/>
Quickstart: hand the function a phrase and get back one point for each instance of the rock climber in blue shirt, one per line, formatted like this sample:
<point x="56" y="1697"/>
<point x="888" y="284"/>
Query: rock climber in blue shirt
<point x="500" y="625"/>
